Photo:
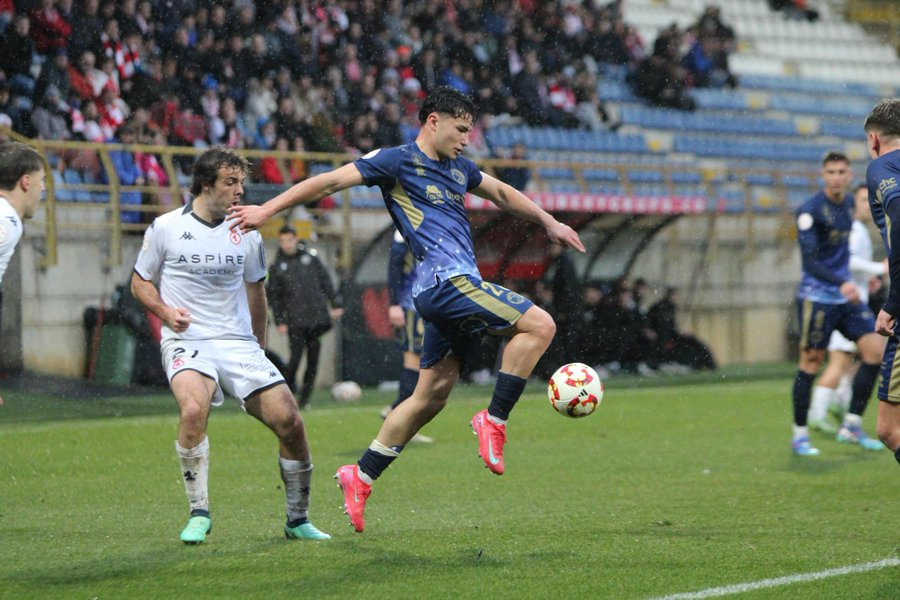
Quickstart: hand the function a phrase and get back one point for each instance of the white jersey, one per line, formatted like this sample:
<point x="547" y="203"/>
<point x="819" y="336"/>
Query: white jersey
<point x="862" y="267"/>
<point x="202" y="267"/>
<point x="10" y="233"/>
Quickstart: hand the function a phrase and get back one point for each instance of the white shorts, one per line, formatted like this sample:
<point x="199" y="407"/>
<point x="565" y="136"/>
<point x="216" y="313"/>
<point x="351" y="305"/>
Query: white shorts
<point x="239" y="367"/>
<point x="837" y="341"/>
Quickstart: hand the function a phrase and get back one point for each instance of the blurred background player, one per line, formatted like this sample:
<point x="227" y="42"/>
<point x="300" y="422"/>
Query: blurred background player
<point x="828" y="300"/>
<point x="424" y="185"/>
<point x="304" y="304"/>
<point x="833" y="390"/>
<point x="21" y="188"/>
<point x="883" y="180"/>
<point x="212" y="302"/>
<point x="407" y="323"/>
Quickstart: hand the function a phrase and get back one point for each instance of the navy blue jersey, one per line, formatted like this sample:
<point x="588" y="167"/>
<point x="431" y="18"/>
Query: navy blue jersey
<point x="401" y="273"/>
<point x="426" y="199"/>
<point x="883" y="181"/>
<point x="823" y="231"/>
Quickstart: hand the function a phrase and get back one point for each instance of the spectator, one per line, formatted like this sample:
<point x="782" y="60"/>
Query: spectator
<point x="50" y="118"/>
<point x="50" y="31"/>
<point x="516" y="176"/>
<point x="128" y="173"/>
<point x="18" y="118"/>
<point x="674" y="347"/>
<point x="304" y="304"/>
<point x="81" y="76"/>
<point x="272" y="169"/>
<point x="17" y="56"/>
<point x="86" y="28"/>
<point x="54" y="72"/>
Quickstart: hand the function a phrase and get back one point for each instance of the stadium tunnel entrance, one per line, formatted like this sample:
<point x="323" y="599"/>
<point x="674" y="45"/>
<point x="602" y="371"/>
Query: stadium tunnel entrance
<point x="510" y="251"/>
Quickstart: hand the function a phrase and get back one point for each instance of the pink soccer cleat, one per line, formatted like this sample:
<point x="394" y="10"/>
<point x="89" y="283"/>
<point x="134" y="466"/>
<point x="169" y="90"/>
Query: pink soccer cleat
<point x="355" y="493"/>
<point x="491" y="438"/>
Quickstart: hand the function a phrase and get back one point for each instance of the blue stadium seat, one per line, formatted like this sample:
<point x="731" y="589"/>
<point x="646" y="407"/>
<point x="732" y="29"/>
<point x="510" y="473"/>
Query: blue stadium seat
<point x="760" y="179"/>
<point x="600" y="175"/>
<point x="686" y="177"/>
<point x="645" y="176"/>
<point x="795" y="180"/>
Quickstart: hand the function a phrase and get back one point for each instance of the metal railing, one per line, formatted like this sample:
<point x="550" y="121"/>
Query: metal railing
<point x="751" y="191"/>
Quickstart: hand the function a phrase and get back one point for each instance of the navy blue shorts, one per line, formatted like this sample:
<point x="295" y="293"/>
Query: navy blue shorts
<point x="412" y="334"/>
<point x="818" y="320"/>
<point x="459" y="311"/>
<point x="889" y="388"/>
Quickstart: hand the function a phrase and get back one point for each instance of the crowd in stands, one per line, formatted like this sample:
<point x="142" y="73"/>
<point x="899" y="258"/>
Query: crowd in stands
<point x="326" y="75"/>
<point x="614" y="328"/>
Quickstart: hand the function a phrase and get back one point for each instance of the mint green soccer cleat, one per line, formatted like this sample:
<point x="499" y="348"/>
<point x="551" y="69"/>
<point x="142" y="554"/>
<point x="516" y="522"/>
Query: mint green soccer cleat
<point x="196" y="530"/>
<point x="304" y="531"/>
<point x="802" y="447"/>
<point x="855" y="435"/>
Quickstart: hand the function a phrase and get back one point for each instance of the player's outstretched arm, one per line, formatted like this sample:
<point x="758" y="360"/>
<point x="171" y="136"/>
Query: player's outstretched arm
<point x="248" y="217"/>
<point x="176" y="318"/>
<point x="510" y="199"/>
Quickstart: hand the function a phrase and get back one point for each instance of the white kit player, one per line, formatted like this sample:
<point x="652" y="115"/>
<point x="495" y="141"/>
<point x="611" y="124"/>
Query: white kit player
<point x="833" y="390"/>
<point x="212" y="301"/>
<point x="21" y="188"/>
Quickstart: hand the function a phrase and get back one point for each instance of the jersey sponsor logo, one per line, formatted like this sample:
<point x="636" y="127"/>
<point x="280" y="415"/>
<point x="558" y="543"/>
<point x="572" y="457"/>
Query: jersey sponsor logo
<point x="458" y="176"/>
<point x="887" y="184"/>
<point x="434" y="195"/>
<point x="187" y="236"/>
<point x="205" y="259"/>
<point x="235" y="237"/>
<point x="804" y="221"/>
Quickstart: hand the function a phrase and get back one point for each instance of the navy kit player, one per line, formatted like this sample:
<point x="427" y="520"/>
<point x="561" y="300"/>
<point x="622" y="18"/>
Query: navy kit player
<point x="828" y="300"/>
<point x="833" y="390"/>
<point x="424" y="185"/>
<point x="21" y="188"/>
<point x="408" y="325"/>
<point x="883" y="179"/>
<point x="212" y="301"/>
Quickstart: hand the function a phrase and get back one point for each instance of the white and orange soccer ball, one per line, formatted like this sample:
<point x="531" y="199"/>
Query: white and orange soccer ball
<point x="575" y="390"/>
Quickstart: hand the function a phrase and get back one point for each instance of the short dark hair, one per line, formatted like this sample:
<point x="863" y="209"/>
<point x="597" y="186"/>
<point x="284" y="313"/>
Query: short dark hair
<point x="447" y="100"/>
<point x="206" y="168"/>
<point x="835" y="156"/>
<point x="885" y="118"/>
<point x="860" y="186"/>
<point x="17" y="159"/>
<point x="287" y="229"/>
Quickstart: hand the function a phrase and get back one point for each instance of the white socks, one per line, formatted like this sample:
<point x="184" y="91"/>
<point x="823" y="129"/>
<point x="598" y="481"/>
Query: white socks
<point x="822" y="398"/>
<point x="195" y="472"/>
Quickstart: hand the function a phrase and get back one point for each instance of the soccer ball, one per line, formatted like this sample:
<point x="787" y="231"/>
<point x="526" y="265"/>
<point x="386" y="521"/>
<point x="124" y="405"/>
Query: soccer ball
<point x="344" y="392"/>
<point x="575" y="390"/>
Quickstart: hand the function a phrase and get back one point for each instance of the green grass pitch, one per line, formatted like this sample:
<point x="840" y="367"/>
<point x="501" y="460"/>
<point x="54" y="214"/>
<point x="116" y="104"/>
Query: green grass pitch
<point x="676" y="484"/>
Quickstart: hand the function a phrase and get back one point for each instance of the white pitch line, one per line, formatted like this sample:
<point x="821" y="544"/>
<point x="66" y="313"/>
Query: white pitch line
<point x="780" y="581"/>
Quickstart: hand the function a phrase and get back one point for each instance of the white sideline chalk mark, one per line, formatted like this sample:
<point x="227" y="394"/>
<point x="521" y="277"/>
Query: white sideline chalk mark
<point x="779" y="581"/>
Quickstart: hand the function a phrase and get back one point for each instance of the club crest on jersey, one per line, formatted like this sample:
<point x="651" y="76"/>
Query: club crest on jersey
<point x="515" y="298"/>
<point x="235" y="237"/>
<point x="458" y="176"/>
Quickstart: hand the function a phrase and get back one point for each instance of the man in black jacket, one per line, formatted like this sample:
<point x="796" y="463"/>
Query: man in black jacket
<point x="300" y="291"/>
